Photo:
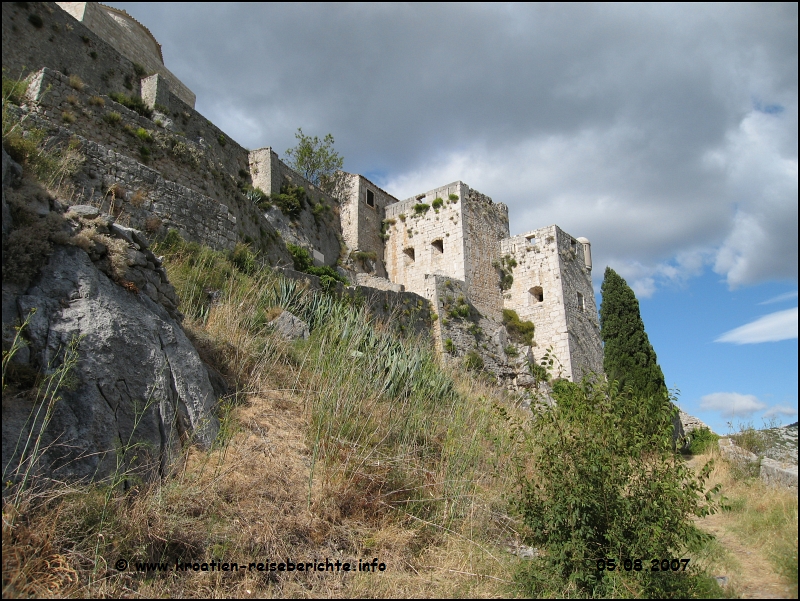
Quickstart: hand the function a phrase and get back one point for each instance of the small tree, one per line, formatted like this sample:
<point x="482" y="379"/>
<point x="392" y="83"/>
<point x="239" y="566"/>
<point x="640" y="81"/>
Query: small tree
<point x="628" y="356"/>
<point x="602" y="487"/>
<point x="318" y="162"/>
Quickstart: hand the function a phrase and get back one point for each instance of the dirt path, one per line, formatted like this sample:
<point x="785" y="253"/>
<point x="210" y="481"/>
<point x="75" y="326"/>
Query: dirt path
<point x="755" y="577"/>
<point x="750" y="572"/>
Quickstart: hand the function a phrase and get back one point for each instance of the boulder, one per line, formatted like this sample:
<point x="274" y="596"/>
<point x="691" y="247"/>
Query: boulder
<point x="138" y="392"/>
<point x="290" y="327"/>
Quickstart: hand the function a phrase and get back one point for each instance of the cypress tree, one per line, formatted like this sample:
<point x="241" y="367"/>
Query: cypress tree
<point x="628" y="356"/>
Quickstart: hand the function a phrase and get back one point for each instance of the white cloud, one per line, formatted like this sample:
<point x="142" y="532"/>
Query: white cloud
<point x="780" y="410"/>
<point x="781" y="325"/>
<point x="732" y="404"/>
<point x="780" y="298"/>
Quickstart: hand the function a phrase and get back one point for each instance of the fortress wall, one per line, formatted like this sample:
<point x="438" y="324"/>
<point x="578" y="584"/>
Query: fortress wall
<point x="539" y="266"/>
<point x="485" y="225"/>
<point x="185" y="170"/>
<point x="361" y="223"/>
<point x="585" y="348"/>
<point x="405" y="312"/>
<point x="436" y="238"/>
<point x="319" y="233"/>
<point x="59" y="44"/>
<point x="130" y="38"/>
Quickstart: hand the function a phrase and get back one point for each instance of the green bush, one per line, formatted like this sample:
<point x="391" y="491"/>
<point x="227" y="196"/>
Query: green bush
<point x="291" y="200"/>
<point x="14" y="90"/>
<point x="519" y="331"/>
<point x="222" y="140"/>
<point x="421" y="208"/>
<point x="449" y="346"/>
<point x="701" y="440"/>
<point x="437" y="203"/>
<point x="244" y="259"/>
<point x="473" y="361"/>
<point x="112" y="118"/>
<point x="300" y="257"/>
<point x="453" y="198"/>
<point x="596" y="488"/>
<point x="132" y="102"/>
<point x="143" y="135"/>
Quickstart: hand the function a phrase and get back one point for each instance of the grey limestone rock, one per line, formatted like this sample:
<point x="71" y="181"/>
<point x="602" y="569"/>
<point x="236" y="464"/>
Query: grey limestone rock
<point x="290" y="327"/>
<point x="139" y="389"/>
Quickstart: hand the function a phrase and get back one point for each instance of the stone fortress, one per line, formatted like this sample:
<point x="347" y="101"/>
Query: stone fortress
<point x="446" y="251"/>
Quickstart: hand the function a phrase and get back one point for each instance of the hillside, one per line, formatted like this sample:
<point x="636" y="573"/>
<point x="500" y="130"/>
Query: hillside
<point x="185" y="415"/>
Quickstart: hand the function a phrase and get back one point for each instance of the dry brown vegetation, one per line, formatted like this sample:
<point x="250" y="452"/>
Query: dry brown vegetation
<point x="429" y="507"/>
<point x="756" y="538"/>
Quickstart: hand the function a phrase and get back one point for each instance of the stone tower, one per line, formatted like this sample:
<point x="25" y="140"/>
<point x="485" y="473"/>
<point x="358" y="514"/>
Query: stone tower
<point x="552" y="287"/>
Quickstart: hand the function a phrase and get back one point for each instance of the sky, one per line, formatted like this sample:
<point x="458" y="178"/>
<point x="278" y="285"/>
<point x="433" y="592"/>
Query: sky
<point x="665" y="134"/>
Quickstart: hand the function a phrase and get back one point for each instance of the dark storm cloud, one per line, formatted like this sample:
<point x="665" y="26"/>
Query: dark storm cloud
<point x="667" y="134"/>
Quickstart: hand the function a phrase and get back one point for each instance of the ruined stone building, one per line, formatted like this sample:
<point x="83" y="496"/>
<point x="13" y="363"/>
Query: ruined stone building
<point x="454" y="234"/>
<point x="447" y="251"/>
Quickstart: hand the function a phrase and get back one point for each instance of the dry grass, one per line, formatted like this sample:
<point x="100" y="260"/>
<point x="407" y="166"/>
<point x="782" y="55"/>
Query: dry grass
<point x="254" y="496"/>
<point x="756" y="546"/>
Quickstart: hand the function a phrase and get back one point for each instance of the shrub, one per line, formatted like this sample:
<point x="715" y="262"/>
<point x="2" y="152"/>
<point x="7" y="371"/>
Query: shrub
<point x="291" y="200"/>
<point x="437" y="203"/>
<point x="143" y="135"/>
<point x="35" y="20"/>
<point x="97" y="101"/>
<point x="519" y="331"/>
<point x="68" y="117"/>
<point x="132" y="102"/>
<point x="473" y="361"/>
<point x="152" y="224"/>
<point x="14" y="90"/>
<point x="701" y="440"/>
<point x="244" y="259"/>
<point x="93" y="54"/>
<point x="76" y="82"/>
<point x="144" y="152"/>
<point x="511" y="351"/>
<point x="112" y="118"/>
<point x="453" y="198"/>
<point x="139" y="70"/>
<point x="597" y="491"/>
<point x="450" y="346"/>
<point x="222" y="140"/>
<point x="421" y="208"/>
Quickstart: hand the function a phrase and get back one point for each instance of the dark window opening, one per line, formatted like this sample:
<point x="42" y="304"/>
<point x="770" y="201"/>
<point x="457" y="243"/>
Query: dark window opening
<point x="573" y="246"/>
<point x="536" y="295"/>
<point x="410" y="254"/>
<point x="438" y="246"/>
<point x="581" y="304"/>
<point x="370" y="198"/>
<point x="530" y="240"/>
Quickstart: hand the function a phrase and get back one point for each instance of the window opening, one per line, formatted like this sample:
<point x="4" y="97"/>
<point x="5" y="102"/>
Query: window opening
<point x="530" y="240"/>
<point x="370" y="198"/>
<point x="536" y="295"/>
<point x="581" y="304"/>
<point x="410" y="254"/>
<point x="438" y="246"/>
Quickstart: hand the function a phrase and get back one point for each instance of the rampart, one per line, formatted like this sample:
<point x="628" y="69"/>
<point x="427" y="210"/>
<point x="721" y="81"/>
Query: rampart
<point x="165" y="166"/>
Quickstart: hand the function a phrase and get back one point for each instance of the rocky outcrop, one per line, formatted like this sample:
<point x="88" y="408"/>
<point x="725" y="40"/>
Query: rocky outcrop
<point x="138" y="390"/>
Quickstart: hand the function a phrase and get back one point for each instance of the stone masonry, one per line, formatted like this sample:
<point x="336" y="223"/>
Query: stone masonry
<point x="457" y="235"/>
<point x="173" y="168"/>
